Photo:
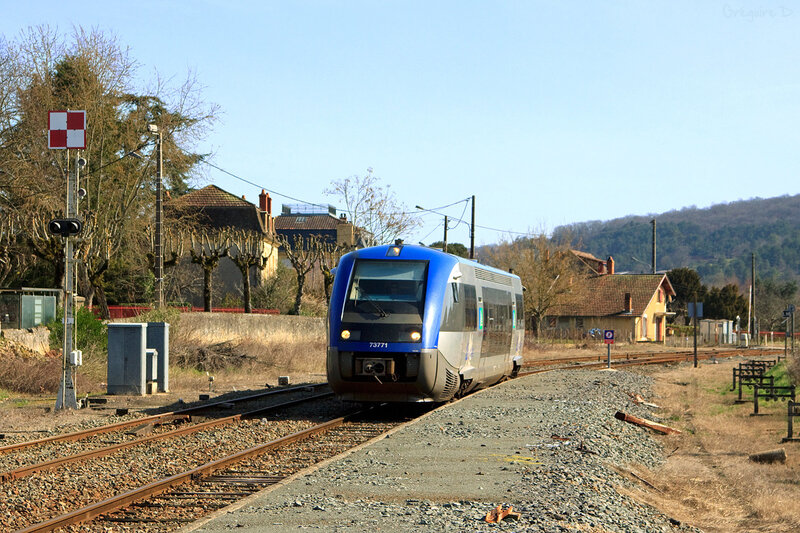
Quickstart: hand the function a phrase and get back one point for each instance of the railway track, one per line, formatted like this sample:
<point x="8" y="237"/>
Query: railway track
<point x="636" y="359"/>
<point x="206" y="409"/>
<point x="204" y="466"/>
<point x="52" y="476"/>
<point x="170" y="502"/>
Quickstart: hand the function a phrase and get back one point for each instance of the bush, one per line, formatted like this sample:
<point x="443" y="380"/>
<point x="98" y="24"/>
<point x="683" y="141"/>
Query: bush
<point x="166" y="314"/>
<point x="278" y="291"/>
<point x="92" y="337"/>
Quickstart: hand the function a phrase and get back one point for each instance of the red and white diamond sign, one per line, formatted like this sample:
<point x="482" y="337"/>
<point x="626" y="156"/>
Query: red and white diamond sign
<point x="67" y="129"/>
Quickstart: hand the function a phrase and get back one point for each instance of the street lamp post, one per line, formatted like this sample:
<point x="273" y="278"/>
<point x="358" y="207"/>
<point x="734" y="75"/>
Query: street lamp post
<point x="158" y="251"/>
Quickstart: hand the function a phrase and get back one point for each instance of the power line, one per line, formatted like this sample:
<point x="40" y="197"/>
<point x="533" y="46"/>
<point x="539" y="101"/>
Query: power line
<point x="434" y="210"/>
<point x="231" y="174"/>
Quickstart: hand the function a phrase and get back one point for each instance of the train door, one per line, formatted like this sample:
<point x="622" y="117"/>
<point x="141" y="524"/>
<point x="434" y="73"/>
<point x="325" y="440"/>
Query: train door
<point x="498" y="330"/>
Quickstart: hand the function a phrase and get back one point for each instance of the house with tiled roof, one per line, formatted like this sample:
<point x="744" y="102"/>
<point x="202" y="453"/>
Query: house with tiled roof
<point x="633" y="305"/>
<point x="214" y="208"/>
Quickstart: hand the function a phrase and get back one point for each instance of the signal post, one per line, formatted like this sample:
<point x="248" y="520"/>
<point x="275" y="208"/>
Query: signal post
<point x="67" y="130"/>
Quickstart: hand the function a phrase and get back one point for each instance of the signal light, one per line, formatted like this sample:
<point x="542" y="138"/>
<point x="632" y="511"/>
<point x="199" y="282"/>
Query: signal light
<point x="65" y="226"/>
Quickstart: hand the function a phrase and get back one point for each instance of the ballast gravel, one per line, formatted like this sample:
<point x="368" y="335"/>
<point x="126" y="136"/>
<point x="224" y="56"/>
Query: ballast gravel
<point x="545" y="444"/>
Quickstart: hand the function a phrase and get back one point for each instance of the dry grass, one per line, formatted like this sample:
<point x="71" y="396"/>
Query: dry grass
<point x="246" y="351"/>
<point x="707" y="480"/>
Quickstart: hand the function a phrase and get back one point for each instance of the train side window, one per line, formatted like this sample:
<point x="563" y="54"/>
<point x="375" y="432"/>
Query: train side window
<point x="452" y="310"/>
<point x="520" y="311"/>
<point x="470" y="308"/>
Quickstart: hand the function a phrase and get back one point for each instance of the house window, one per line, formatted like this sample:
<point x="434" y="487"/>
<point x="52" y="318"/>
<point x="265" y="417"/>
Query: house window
<point x="579" y="323"/>
<point x="660" y="296"/>
<point x="644" y="327"/>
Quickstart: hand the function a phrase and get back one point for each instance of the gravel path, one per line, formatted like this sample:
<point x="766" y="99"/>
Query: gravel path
<point x="545" y="444"/>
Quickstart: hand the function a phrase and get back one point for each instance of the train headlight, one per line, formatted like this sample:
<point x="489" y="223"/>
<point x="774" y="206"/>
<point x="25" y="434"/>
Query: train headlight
<point x="345" y="334"/>
<point x="415" y="336"/>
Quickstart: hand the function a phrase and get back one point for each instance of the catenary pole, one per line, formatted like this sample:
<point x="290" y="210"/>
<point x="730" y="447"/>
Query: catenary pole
<point x="654" y="244"/>
<point x="753" y="324"/>
<point x="472" y="231"/>
<point x="159" y="236"/>
<point x="445" y="234"/>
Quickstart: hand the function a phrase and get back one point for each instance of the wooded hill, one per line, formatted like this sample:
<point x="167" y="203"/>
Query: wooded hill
<point x="717" y="241"/>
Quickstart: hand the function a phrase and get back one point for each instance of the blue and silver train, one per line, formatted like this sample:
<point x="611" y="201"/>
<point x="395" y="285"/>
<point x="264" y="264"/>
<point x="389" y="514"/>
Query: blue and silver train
<point x="414" y="324"/>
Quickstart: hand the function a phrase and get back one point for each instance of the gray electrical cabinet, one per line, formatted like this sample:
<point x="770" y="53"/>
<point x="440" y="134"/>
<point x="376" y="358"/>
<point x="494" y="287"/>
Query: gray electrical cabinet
<point x="138" y="358"/>
<point x="127" y="370"/>
<point x="158" y="339"/>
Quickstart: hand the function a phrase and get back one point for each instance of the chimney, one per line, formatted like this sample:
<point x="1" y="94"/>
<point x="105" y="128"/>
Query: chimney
<point x="628" y="303"/>
<point x="243" y="198"/>
<point x="265" y="202"/>
<point x="265" y="209"/>
<point x="343" y="217"/>
<point x="610" y="265"/>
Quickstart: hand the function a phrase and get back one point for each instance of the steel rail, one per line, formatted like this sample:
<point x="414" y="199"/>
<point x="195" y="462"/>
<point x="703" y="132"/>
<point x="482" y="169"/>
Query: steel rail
<point x="108" y="450"/>
<point x="85" y="433"/>
<point x="656" y="359"/>
<point x="644" y="355"/>
<point x="158" y="487"/>
<point x="583" y="358"/>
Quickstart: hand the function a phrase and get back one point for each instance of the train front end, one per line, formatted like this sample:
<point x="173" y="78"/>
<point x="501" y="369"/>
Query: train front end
<point x="383" y="326"/>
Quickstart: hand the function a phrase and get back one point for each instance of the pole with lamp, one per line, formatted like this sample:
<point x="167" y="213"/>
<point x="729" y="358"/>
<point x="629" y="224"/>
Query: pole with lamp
<point x="158" y="251"/>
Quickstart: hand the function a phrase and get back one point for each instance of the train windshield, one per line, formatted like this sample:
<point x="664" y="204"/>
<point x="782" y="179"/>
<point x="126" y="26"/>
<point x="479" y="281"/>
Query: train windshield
<point x="391" y="290"/>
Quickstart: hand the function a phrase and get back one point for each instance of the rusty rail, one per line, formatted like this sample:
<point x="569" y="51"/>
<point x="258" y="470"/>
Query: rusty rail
<point x="78" y="435"/>
<point x="159" y="487"/>
<point x="108" y="450"/>
<point x="673" y="357"/>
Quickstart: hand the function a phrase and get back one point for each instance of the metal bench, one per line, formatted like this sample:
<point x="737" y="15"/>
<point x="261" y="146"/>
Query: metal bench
<point x="771" y="392"/>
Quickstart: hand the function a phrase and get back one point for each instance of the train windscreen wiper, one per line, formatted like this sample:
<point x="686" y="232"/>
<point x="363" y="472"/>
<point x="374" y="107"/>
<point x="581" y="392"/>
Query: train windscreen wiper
<point x="379" y="310"/>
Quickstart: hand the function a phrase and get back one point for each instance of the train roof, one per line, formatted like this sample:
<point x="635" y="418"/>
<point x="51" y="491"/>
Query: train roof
<point x="416" y="252"/>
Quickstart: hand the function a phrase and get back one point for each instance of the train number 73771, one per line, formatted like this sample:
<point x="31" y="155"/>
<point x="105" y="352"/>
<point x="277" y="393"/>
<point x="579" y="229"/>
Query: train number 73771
<point x="379" y="345"/>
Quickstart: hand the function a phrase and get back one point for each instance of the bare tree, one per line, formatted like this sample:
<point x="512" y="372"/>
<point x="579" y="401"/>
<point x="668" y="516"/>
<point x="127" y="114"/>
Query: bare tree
<point x="248" y="250"/>
<point x="93" y="72"/>
<point x="329" y="255"/>
<point x="206" y="249"/>
<point x="549" y="273"/>
<point x="302" y="254"/>
<point x="13" y="256"/>
<point x="377" y="216"/>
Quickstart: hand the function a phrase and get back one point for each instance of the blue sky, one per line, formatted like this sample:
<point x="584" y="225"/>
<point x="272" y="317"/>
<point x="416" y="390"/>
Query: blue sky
<point x="548" y="112"/>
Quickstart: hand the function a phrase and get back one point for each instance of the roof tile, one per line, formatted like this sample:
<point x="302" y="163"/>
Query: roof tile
<point x="605" y="295"/>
